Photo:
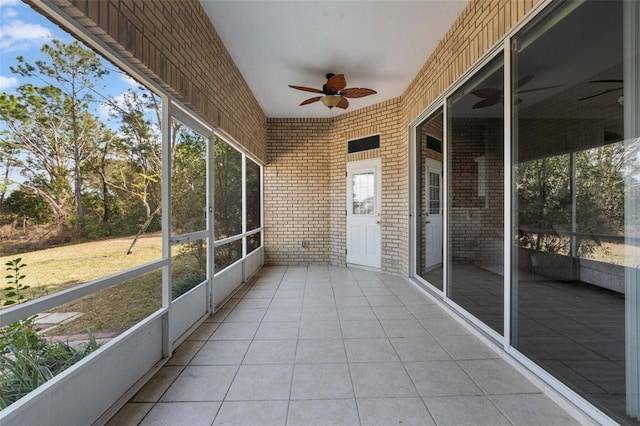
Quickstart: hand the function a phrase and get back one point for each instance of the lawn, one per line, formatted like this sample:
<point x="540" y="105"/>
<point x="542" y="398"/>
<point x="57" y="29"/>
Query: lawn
<point x="112" y="310"/>
<point x="58" y="268"/>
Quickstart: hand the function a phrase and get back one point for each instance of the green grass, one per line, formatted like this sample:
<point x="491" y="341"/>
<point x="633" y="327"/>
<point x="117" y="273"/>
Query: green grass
<point x="59" y="268"/>
<point x="114" y="309"/>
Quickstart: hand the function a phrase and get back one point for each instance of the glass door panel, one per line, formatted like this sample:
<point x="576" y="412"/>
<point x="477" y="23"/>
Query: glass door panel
<point x="475" y="209"/>
<point x="575" y="167"/>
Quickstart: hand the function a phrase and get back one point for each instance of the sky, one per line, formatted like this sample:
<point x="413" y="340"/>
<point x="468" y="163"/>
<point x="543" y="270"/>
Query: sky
<point x="23" y="32"/>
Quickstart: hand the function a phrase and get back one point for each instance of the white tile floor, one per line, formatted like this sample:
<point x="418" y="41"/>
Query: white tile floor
<point x="323" y="345"/>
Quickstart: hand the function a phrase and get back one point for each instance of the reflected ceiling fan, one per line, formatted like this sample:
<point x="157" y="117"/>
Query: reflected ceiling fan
<point x="491" y="96"/>
<point x="604" y="92"/>
<point x="335" y="92"/>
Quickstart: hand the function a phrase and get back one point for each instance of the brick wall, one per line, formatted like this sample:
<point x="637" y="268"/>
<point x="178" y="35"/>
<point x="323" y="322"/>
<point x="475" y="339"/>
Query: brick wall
<point x="297" y="192"/>
<point x="175" y="45"/>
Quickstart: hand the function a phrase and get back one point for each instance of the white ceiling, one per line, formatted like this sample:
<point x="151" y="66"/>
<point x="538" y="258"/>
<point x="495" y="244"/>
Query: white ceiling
<point x="380" y="45"/>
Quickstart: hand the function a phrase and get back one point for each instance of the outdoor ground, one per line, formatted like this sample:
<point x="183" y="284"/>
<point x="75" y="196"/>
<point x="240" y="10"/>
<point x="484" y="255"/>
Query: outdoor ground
<point x="110" y="310"/>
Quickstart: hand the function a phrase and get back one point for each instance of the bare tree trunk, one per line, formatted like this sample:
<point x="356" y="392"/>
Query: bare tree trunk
<point x="5" y="179"/>
<point x="76" y="160"/>
<point x="143" y="228"/>
<point x="106" y="203"/>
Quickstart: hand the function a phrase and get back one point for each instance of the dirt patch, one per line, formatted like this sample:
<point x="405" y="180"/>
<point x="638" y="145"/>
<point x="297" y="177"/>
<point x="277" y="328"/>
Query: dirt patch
<point x="17" y="238"/>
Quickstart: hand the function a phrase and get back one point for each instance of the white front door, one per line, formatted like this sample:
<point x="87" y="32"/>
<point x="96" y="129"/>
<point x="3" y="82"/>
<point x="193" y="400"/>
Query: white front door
<point x="363" y="213"/>
<point x="433" y="185"/>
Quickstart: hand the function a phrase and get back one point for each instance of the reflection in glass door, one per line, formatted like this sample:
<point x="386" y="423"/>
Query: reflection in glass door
<point x="433" y="255"/>
<point x="575" y="167"/>
<point x="429" y="223"/>
<point x="475" y="191"/>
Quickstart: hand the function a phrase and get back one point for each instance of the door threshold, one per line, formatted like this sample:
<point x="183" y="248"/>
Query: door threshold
<point x="364" y="267"/>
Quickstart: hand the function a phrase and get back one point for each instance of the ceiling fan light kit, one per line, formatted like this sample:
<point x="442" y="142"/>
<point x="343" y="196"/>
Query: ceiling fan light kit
<point x="330" y="100"/>
<point x="335" y="92"/>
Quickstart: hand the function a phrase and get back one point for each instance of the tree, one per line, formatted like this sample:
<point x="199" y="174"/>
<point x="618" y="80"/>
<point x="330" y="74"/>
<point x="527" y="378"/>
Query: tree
<point x="544" y="200"/>
<point x="189" y="182"/>
<point x="98" y="165"/>
<point x="28" y="205"/>
<point x="140" y="143"/>
<point x="73" y="71"/>
<point x="600" y="189"/>
<point x="37" y="143"/>
<point x="227" y="190"/>
<point x="7" y="165"/>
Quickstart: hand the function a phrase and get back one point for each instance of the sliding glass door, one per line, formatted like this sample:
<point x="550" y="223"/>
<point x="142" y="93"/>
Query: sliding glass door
<point x="570" y="160"/>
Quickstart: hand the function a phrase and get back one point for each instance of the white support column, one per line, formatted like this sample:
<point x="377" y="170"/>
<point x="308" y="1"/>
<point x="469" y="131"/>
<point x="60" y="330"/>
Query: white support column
<point x="210" y="259"/>
<point x="245" y="273"/>
<point x="166" y="224"/>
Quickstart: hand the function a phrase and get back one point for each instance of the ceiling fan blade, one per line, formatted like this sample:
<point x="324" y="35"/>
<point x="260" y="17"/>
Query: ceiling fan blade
<point x="604" y="92"/>
<point x="337" y="82"/>
<point x="539" y="88"/>
<point x="488" y="93"/>
<point x="306" y="89"/>
<point x="311" y="100"/>
<point x="524" y="80"/>
<point x="487" y="102"/>
<point x="357" y="92"/>
<point x="344" y="103"/>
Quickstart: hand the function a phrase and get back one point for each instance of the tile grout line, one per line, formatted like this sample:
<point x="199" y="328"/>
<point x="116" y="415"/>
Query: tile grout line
<point x="344" y="348"/>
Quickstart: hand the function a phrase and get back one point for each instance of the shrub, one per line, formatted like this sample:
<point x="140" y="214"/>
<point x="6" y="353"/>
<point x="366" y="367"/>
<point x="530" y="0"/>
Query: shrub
<point x="27" y="360"/>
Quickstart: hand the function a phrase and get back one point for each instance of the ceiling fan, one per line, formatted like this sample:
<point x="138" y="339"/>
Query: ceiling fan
<point x="491" y="96"/>
<point x="603" y="92"/>
<point x="335" y="92"/>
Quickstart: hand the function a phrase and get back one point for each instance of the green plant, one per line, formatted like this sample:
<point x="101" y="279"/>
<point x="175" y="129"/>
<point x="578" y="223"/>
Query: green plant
<point x="14" y="290"/>
<point x="185" y="282"/>
<point x="21" y="373"/>
<point x="27" y="360"/>
<point x="20" y="334"/>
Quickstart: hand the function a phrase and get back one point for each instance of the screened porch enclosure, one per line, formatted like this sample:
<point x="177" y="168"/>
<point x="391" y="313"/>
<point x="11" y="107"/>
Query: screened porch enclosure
<point x="508" y="217"/>
<point x="208" y="184"/>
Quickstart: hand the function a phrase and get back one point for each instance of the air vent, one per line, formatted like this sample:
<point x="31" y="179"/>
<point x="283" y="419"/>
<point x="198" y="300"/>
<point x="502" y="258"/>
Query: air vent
<point x="364" y="144"/>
